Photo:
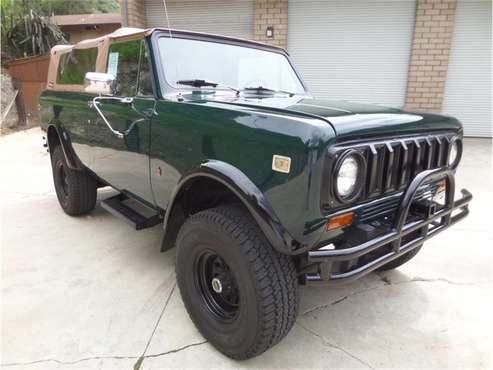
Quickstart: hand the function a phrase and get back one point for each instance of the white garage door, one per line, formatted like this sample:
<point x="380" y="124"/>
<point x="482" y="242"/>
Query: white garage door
<point x="353" y="50"/>
<point x="223" y="17"/>
<point x="468" y="87"/>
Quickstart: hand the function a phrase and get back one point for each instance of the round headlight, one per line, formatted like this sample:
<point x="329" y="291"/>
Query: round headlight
<point x="454" y="153"/>
<point x="349" y="176"/>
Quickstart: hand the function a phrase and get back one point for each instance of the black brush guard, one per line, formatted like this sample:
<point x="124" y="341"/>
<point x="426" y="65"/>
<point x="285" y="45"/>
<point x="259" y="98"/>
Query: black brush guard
<point x="429" y="225"/>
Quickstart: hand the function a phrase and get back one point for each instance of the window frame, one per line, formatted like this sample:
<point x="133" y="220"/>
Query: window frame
<point x="167" y="89"/>
<point x="55" y="65"/>
<point x="143" y="40"/>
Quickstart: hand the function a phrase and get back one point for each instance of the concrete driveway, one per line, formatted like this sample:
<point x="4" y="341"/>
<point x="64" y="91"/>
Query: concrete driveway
<point x="90" y="292"/>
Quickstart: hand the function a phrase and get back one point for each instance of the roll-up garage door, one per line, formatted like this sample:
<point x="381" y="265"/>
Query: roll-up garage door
<point x="226" y="17"/>
<point x="353" y="50"/>
<point x="468" y="87"/>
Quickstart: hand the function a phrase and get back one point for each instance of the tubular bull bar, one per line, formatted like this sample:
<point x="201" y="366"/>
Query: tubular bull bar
<point x="431" y="225"/>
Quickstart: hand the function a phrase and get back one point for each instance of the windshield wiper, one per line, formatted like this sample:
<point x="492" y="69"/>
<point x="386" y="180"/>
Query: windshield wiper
<point x="204" y="83"/>
<point x="266" y="89"/>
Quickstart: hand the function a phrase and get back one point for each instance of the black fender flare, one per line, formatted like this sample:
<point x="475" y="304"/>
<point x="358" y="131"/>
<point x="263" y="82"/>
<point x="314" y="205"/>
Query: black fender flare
<point x="56" y="136"/>
<point x="250" y="196"/>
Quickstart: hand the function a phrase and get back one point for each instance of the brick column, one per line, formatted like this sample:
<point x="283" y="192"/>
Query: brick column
<point x="134" y="10"/>
<point x="430" y="54"/>
<point x="271" y="13"/>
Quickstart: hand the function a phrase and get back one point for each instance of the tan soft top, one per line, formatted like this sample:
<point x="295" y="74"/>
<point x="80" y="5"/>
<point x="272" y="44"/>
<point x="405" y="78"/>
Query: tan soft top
<point x="103" y="44"/>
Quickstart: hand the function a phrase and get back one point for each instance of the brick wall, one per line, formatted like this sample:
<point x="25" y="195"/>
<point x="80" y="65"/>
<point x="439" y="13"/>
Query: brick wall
<point x="271" y="13"/>
<point x="430" y="54"/>
<point x="135" y="13"/>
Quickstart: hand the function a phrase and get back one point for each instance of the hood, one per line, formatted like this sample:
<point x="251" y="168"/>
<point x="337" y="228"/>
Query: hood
<point x="351" y="120"/>
<point x="357" y="120"/>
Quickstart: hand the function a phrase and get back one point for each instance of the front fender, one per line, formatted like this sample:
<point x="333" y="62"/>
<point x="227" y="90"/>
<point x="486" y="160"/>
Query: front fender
<point x="251" y="197"/>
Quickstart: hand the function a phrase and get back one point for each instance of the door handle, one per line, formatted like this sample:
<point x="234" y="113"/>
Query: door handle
<point x="95" y="102"/>
<point x="148" y="113"/>
<point x="126" y="101"/>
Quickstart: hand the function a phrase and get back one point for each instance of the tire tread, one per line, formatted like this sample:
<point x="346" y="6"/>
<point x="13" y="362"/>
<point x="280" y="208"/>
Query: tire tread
<point x="275" y="274"/>
<point x="82" y="187"/>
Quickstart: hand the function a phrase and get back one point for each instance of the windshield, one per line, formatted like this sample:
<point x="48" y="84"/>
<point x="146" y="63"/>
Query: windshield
<point x="229" y="65"/>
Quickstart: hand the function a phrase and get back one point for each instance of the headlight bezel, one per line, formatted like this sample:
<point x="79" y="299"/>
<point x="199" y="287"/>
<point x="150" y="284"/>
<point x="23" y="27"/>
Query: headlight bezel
<point x="360" y="177"/>
<point x="458" y="142"/>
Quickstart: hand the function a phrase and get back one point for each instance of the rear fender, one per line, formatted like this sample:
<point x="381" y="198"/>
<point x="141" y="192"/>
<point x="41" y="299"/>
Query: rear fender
<point x="56" y="136"/>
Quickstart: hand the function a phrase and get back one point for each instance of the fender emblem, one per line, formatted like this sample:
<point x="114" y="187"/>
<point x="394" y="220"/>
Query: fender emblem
<point x="281" y="163"/>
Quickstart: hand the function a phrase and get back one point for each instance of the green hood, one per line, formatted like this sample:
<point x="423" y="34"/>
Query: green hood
<point x="360" y="120"/>
<point x="352" y="120"/>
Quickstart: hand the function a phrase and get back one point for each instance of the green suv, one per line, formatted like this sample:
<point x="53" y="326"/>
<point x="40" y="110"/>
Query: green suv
<point x="259" y="186"/>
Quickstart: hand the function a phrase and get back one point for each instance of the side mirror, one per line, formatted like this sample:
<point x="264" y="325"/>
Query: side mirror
<point x="100" y="83"/>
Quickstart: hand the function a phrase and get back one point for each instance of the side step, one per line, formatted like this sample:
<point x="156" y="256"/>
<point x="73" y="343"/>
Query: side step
<point x="115" y="206"/>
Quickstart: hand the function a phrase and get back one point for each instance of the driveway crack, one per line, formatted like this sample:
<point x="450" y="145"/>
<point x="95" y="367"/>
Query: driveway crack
<point x="387" y="282"/>
<point x="69" y="362"/>
<point x="179" y="349"/>
<point x="138" y="364"/>
<point x="73" y="362"/>
<point x="336" y="301"/>
<point x="339" y="348"/>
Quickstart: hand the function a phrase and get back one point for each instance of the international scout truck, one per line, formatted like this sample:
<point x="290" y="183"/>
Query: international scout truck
<point x="259" y="186"/>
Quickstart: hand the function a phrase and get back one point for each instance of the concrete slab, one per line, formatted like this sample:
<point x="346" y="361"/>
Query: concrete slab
<point x="90" y="292"/>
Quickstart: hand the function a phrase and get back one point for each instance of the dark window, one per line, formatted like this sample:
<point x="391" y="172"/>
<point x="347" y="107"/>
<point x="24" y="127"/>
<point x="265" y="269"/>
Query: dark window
<point x="128" y="61"/>
<point x="73" y="66"/>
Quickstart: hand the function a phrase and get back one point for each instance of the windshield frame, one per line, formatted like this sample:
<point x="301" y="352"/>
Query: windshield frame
<point x="166" y="88"/>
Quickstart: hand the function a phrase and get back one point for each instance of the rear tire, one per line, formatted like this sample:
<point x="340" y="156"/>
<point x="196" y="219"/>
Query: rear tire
<point x="240" y="293"/>
<point x="76" y="190"/>
<point x="400" y="260"/>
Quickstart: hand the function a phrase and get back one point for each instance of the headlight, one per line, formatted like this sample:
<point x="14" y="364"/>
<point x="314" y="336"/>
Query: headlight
<point x="455" y="152"/>
<point x="349" y="176"/>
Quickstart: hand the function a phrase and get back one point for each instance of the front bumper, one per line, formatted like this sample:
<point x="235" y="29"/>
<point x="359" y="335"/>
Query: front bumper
<point x="396" y="242"/>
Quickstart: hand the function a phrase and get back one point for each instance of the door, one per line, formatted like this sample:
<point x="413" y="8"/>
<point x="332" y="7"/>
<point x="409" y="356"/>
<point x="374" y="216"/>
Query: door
<point x="468" y="86"/>
<point x="355" y="50"/>
<point x="120" y="137"/>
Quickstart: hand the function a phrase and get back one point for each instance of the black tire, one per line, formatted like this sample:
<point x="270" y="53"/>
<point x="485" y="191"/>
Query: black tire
<point x="400" y="260"/>
<point x="264" y="280"/>
<point x="76" y="190"/>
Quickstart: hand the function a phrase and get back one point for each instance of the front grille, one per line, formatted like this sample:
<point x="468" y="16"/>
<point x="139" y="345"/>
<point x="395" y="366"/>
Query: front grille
<point x="392" y="164"/>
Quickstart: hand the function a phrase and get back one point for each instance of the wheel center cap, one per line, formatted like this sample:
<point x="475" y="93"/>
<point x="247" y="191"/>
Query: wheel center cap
<point x="216" y="285"/>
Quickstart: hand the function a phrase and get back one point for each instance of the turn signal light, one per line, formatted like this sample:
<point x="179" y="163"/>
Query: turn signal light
<point x="339" y="221"/>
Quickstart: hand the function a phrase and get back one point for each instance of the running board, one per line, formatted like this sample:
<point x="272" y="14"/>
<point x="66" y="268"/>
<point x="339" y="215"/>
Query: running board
<point x="115" y="206"/>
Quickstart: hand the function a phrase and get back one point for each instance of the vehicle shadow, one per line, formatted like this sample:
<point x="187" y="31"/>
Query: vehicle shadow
<point x="339" y="326"/>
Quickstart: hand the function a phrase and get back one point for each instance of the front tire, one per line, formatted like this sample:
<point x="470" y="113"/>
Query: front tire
<point x="76" y="190"/>
<point x="241" y="294"/>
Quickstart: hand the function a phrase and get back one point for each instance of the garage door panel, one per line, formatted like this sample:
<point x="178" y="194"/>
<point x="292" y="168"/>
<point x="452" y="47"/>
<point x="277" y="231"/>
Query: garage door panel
<point x="355" y="50"/>
<point x="224" y="17"/>
<point x="468" y="87"/>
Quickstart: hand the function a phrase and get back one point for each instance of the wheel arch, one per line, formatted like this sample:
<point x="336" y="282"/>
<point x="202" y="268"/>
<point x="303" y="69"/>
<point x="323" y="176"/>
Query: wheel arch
<point x="224" y="183"/>
<point x="56" y="137"/>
